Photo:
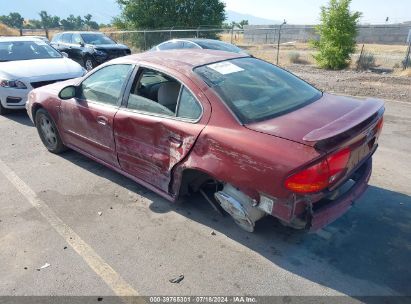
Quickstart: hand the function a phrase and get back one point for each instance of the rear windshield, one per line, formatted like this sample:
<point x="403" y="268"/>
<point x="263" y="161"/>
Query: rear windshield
<point x="256" y="90"/>
<point x="26" y="50"/>
<point x="96" y="39"/>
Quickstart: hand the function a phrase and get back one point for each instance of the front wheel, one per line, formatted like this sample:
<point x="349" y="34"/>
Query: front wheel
<point x="48" y="132"/>
<point x="3" y="110"/>
<point x="89" y="63"/>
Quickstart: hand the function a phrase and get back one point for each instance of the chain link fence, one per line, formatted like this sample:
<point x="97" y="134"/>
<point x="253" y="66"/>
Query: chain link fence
<point x="284" y="45"/>
<point x="145" y="40"/>
<point x="289" y="44"/>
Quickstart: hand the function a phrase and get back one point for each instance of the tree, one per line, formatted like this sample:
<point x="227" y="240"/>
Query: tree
<point x="242" y="23"/>
<point x="168" y="14"/>
<point x="337" y="31"/>
<point x="12" y="20"/>
<point x="74" y="23"/>
<point x="90" y="24"/>
<point x="155" y="14"/>
<point x="33" y="24"/>
<point x="48" y="21"/>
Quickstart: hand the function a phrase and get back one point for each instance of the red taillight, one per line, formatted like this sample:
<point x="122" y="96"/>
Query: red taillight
<point x="379" y="126"/>
<point x="320" y="175"/>
<point x="337" y="163"/>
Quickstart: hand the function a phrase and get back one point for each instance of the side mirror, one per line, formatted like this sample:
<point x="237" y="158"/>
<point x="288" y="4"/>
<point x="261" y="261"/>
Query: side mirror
<point x="64" y="54"/>
<point x="81" y="44"/>
<point x="68" y="92"/>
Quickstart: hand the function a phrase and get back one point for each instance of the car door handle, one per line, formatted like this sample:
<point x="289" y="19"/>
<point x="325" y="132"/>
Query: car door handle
<point x="102" y="120"/>
<point x="175" y="141"/>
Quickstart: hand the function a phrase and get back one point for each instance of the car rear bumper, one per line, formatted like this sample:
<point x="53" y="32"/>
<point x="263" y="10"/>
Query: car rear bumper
<point x="335" y="209"/>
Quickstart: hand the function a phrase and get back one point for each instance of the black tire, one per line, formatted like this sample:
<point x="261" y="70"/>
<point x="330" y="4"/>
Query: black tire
<point x="48" y="132"/>
<point x="3" y="110"/>
<point x="89" y="63"/>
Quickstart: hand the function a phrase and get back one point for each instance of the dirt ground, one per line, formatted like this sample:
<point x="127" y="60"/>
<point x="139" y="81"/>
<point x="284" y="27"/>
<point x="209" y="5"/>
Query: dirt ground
<point x="348" y="82"/>
<point x="394" y="84"/>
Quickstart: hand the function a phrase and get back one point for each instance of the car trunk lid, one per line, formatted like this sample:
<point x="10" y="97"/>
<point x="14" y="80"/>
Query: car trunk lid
<point x="320" y="123"/>
<point x="345" y="130"/>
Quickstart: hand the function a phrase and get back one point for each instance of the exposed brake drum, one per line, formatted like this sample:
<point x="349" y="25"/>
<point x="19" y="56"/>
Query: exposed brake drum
<point x="239" y="206"/>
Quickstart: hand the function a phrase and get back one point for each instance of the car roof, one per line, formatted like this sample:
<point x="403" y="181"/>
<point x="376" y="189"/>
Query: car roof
<point x="182" y="59"/>
<point x="199" y="40"/>
<point x="37" y="37"/>
<point x="18" y="38"/>
<point x="81" y="32"/>
<point x="196" y="41"/>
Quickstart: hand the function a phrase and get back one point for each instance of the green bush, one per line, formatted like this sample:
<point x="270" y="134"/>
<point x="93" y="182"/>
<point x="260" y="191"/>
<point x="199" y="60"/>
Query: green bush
<point x="337" y="31"/>
<point x="294" y="57"/>
<point x="366" y="61"/>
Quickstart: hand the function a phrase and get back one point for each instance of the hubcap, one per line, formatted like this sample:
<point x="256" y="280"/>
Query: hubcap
<point x="48" y="131"/>
<point x="89" y="64"/>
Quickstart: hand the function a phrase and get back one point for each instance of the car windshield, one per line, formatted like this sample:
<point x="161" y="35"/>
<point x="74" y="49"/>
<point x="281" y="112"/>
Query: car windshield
<point x="26" y="50"/>
<point x="221" y="46"/>
<point x="96" y="39"/>
<point x="256" y="90"/>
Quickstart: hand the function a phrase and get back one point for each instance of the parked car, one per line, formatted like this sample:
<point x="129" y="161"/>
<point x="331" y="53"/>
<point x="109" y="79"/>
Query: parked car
<point x="89" y="48"/>
<point x="45" y="39"/>
<point x="28" y="63"/>
<point x="248" y="135"/>
<point x="197" y="43"/>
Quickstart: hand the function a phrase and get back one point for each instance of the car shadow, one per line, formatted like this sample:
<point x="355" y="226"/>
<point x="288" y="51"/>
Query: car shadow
<point x="371" y="243"/>
<point x="19" y="116"/>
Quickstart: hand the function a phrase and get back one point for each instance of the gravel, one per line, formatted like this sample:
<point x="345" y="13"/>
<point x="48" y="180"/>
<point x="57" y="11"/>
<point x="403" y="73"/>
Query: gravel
<point x="348" y="82"/>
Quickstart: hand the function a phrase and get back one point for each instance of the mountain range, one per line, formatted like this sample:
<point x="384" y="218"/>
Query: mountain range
<point x="103" y="11"/>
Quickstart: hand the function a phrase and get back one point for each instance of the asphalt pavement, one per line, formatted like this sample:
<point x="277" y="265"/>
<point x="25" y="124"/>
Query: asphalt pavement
<point x="99" y="233"/>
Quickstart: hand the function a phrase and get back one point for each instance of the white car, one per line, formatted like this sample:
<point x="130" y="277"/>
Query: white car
<point x="45" y="39"/>
<point x="28" y="63"/>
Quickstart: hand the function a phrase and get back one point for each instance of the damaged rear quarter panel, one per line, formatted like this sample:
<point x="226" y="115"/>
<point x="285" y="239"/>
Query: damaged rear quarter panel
<point x="251" y="161"/>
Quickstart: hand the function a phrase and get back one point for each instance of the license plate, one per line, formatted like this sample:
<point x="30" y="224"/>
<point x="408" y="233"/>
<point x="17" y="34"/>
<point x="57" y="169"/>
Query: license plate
<point x="358" y="155"/>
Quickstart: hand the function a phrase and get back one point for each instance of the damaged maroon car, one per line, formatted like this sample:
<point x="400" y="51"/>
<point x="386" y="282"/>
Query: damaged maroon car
<point x="252" y="138"/>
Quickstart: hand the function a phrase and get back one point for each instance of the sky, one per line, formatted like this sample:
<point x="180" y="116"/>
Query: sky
<point x="307" y="11"/>
<point x="294" y="11"/>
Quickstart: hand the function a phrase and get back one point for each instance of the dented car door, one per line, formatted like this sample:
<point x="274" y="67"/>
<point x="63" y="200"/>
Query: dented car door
<point x="87" y="120"/>
<point x="157" y="126"/>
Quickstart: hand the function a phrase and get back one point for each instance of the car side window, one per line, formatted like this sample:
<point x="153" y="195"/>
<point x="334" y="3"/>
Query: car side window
<point x="76" y="39"/>
<point x="105" y="85"/>
<point x="154" y="92"/>
<point x="66" y="38"/>
<point x="190" y="45"/>
<point x="56" y="38"/>
<point x="172" y="45"/>
<point x="157" y="93"/>
<point x="188" y="106"/>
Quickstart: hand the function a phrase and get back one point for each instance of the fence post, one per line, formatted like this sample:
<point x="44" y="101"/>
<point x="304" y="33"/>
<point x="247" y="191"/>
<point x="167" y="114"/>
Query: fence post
<point x="359" y="59"/>
<point x="145" y="40"/>
<point x="232" y="33"/>
<point x="279" y="38"/>
<point x="407" y="56"/>
<point x="278" y="43"/>
<point x="171" y="31"/>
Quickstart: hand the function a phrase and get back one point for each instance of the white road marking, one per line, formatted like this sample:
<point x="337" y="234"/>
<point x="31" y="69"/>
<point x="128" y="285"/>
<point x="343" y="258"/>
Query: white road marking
<point x="119" y="286"/>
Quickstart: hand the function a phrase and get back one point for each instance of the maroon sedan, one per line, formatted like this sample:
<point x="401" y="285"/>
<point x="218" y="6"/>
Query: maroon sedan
<point x="252" y="138"/>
